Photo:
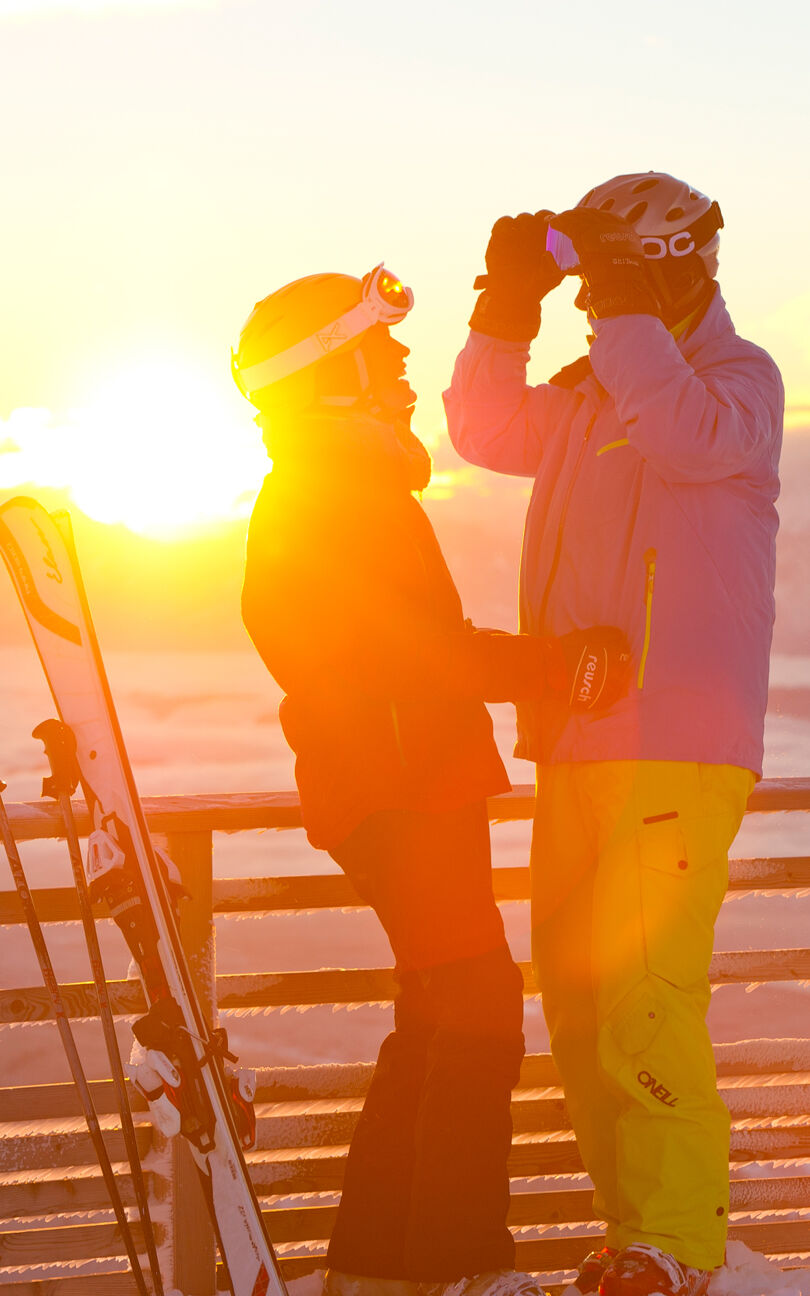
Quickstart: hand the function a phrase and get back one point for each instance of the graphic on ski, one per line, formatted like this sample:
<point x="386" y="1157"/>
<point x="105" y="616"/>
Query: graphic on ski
<point x="188" y="1075"/>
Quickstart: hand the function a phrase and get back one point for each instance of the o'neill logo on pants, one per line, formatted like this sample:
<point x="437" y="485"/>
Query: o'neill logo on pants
<point x="657" y="1090"/>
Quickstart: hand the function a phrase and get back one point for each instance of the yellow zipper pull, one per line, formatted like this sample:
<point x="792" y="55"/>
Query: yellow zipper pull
<point x="649" y="586"/>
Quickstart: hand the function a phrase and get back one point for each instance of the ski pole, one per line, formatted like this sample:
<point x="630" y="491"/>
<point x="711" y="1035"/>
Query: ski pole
<point x="68" y="1041"/>
<point x="60" y="749"/>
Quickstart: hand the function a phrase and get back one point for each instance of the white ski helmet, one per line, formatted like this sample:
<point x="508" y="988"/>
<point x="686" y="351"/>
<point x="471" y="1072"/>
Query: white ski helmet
<point x="672" y="219"/>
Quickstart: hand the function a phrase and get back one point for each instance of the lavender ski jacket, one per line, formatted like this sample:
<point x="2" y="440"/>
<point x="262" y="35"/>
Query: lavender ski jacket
<point x="652" y="509"/>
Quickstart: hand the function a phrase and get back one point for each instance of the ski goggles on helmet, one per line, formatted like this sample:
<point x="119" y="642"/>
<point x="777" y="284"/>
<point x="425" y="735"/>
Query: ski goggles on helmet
<point x="385" y="296"/>
<point x="384" y="300"/>
<point x="562" y="250"/>
<point x="656" y="247"/>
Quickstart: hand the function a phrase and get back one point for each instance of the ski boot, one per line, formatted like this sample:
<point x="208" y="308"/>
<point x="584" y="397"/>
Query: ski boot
<point x="494" y="1282"/>
<point x="590" y="1273"/>
<point x="337" y="1283"/>
<point x="642" y="1270"/>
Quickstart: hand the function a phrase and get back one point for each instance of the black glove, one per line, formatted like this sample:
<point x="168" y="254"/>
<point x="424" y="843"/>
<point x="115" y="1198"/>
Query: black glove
<point x="611" y="261"/>
<point x="519" y="274"/>
<point x="590" y="667"/>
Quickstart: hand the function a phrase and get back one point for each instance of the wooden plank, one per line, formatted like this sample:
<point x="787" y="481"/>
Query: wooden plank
<point x="350" y="985"/>
<point x="120" y="1283"/>
<point x="746" y="966"/>
<point x="566" y="1206"/>
<point x="75" y="1190"/>
<point x="322" y="1125"/>
<point x="314" y="1224"/>
<point x="70" y="1242"/>
<point x="71" y="1190"/>
<point x="770" y="795"/>
<point x="291" y="1170"/>
<point x="33" y="1003"/>
<point x="326" y="1122"/>
<point x="335" y="891"/>
<point x="782" y="873"/>
<point x="373" y="985"/>
<point x="329" y="985"/>
<point x="762" y="1057"/>
<point x="227" y="812"/>
<point x="351" y="1080"/>
<point x="55" y="1101"/>
<point x="53" y="904"/>
<point x="552" y="1254"/>
<point x="230" y="812"/>
<point x="38" y="1147"/>
<point x="376" y="985"/>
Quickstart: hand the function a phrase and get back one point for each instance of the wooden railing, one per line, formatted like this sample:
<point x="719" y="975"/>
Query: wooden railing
<point x="52" y="1198"/>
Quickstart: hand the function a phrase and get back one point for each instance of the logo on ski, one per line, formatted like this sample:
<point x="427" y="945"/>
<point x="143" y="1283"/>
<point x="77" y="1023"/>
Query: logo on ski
<point x="24" y="579"/>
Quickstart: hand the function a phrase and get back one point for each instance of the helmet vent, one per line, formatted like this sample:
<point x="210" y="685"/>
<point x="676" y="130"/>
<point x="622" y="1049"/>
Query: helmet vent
<point x="636" y="212"/>
<point x="675" y="213"/>
<point x="607" y="204"/>
<point x="644" y="184"/>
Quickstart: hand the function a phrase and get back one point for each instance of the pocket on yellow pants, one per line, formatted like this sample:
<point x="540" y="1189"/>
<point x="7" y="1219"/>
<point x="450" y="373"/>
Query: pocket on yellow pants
<point x="683" y="878"/>
<point x="637" y="1020"/>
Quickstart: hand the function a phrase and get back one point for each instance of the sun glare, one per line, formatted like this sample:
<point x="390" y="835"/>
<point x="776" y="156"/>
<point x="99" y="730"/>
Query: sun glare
<point x="158" y="448"/>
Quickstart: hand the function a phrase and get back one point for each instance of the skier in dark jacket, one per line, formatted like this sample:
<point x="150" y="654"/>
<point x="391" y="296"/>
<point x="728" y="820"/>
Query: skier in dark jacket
<point x="350" y="604"/>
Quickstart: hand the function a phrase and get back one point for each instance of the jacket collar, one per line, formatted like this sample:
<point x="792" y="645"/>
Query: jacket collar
<point x="715" y="323"/>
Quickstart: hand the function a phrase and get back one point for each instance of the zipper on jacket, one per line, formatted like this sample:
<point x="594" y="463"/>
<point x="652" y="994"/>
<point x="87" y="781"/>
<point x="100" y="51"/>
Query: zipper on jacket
<point x="649" y="588"/>
<point x="555" y="562"/>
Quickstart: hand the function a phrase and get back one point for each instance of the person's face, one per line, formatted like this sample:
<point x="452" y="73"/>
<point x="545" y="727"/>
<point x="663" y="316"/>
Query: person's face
<point x="385" y="357"/>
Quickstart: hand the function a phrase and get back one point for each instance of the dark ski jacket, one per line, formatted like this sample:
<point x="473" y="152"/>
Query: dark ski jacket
<point x="350" y="604"/>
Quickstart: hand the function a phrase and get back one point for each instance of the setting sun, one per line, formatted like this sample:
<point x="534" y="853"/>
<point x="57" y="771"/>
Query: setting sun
<point x="158" y="447"/>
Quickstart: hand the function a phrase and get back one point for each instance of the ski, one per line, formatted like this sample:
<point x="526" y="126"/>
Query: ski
<point x="187" y="1074"/>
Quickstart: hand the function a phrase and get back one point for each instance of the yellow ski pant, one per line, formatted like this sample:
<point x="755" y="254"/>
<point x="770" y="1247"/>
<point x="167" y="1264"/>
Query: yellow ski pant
<point x="629" y="866"/>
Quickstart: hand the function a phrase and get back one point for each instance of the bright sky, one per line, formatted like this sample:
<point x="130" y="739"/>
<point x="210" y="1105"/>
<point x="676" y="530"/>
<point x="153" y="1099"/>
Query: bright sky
<point x="166" y="163"/>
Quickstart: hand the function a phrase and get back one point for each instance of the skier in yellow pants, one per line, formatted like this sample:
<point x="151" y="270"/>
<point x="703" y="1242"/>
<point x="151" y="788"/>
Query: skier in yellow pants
<point x="655" y="466"/>
<point x="629" y="867"/>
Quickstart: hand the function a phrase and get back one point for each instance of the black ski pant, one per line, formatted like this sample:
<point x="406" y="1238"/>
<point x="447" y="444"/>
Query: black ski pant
<point x="426" y="1191"/>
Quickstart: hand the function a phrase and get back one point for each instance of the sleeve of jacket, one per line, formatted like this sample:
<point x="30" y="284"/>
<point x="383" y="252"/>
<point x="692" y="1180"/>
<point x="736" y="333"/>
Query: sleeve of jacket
<point x="495" y="419"/>
<point x="327" y="618"/>
<point x="690" y="426"/>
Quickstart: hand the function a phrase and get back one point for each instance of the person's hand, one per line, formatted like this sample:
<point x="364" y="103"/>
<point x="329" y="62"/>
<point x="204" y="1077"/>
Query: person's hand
<point x="519" y="274"/>
<point x="591" y="667"/>
<point x="611" y="261"/>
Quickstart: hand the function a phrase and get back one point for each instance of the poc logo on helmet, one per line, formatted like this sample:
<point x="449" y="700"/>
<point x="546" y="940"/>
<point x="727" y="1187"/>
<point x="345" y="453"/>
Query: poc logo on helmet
<point x="677" y="245"/>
